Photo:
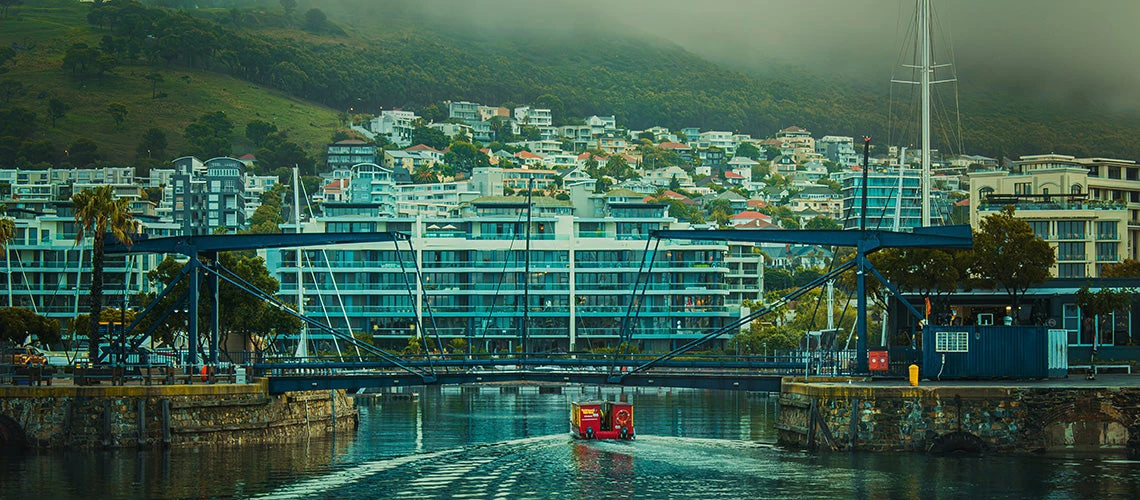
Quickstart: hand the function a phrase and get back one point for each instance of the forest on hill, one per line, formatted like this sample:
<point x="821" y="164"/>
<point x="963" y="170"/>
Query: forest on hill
<point x="348" y="58"/>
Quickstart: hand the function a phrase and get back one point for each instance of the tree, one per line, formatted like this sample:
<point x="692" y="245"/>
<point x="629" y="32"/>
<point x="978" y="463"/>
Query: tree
<point x="276" y="151"/>
<point x="258" y="130"/>
<point x="57" y="109"/>
<point x="83" y="152"/>
<point x="7" y="4"/>
<point x="155" y="79"/>
<point x="429" y="137"/>
<point x="1009" y="255"/>
<point x="465" y="157"/>
<point x="97" y="211"/>
<point x="720" y="210"/>
<point x="530" y="133"/>
<point x="315" y="19"/>
<point x="249" y="318"/>
<point x="17" y="323"/>
<point x="289" y="6"/>
<point x="1127" y="269"/>
<point x="822" y="222"/>
<point x="209" y="135"/>
<point x="1102" y="303"/>
<point x="153" y="143"/>
<point x="118" y="112"/>
<point x="10" y="89"/>
<point x="748" y="150"/>
<point x="777" y="279"/>
<point x="554" y="104"/>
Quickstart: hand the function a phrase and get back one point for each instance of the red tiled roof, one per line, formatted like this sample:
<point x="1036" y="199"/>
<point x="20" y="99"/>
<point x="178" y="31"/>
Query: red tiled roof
<point x="756" y="224"/>
<point x="247" y="156"/>
<point x="527" y="155"/>
<point x="732" y="175"/>
<point x="673" y="145"/>
<point x="963" y="203"/>
<point x="336" y="185"/>
<point x="422" y="147"/>
<point x="793" y="128"/>
<point x="752" y="214"/>
<point x="757" y="203"/>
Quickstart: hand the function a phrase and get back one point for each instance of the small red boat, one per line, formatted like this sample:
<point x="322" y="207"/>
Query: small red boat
<point x="606" y="420"/>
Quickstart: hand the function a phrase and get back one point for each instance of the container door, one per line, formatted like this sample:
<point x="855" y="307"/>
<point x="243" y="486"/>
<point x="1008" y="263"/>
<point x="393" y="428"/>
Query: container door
<point x="1058" y="353"/>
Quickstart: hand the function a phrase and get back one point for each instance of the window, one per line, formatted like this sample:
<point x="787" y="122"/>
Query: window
<point x="1071" y="251"/>
<point x="1040" y="228"/>
<point x="1106" y="252"/>
<point x="1022" y="188"/>
<point x="1076" y="189"/>
<point x="1071" y="322"/>
<point x="1070" y="270"/>
<point x="1106" y="230"/>
<point x="1071" y="230"/>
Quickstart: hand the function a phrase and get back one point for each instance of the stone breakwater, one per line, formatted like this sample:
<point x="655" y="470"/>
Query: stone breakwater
<point x="178" y="415"/>
<point x="944" y="418"/>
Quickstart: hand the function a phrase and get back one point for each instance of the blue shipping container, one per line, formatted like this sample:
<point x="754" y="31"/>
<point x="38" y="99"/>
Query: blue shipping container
<point x="980" y="352"/>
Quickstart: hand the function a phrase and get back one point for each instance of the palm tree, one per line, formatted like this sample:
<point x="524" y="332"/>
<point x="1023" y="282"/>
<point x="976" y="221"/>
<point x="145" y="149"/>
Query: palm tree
<point x="98" y="211"/>
<point x="7" y="232"/>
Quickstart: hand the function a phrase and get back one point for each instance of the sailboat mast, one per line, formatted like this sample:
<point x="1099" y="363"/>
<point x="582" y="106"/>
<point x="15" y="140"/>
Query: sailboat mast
<point x="526" y="268"/>
<point x="924" y="81"/>
<point x="303" y="340"/>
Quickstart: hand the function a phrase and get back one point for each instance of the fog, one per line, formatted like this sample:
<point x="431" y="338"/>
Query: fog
<point x="1078" y="52"/>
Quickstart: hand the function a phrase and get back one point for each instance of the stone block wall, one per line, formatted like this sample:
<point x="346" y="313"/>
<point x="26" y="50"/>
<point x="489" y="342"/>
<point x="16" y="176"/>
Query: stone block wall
<point x="83" y="417"/>
<point x="1001" y="419"/>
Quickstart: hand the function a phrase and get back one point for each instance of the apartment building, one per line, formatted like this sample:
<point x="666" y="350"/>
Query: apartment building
<point x="1052" y="193"/>
<point x="473" y="275"/>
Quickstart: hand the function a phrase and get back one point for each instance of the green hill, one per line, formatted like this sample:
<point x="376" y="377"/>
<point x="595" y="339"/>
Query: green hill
<point x="255" y="63"/>
<point x="41" y="34"/>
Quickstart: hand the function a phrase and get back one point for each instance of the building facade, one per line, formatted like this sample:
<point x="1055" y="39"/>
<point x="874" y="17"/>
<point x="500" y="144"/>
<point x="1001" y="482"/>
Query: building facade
<point x="473" y="277"/>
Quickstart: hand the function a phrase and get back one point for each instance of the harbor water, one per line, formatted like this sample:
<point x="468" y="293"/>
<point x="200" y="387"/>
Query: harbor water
<point x="513" y="442"/>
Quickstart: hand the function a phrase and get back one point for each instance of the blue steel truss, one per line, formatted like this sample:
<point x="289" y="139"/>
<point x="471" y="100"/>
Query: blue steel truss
<point x="864" y="241"/>
<point x="203" y="250"/>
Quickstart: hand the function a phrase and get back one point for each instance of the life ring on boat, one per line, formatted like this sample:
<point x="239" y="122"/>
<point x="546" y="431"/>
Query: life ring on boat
<point x="623" y="417"/>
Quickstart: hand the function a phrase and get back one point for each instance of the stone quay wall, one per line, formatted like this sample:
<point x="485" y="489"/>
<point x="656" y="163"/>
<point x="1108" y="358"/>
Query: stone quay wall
<point x="860" y="416"/>
<point x="177" y="415"/>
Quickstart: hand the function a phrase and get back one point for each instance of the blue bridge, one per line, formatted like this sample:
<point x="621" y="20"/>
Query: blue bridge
<point x="376" y="367"/>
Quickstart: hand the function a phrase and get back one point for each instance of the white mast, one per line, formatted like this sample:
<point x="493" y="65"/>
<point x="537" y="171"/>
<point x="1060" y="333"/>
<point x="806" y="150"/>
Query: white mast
<point x="899" y="200"/>
<point x="925" y="70"/>
<point x="303" y="340"/>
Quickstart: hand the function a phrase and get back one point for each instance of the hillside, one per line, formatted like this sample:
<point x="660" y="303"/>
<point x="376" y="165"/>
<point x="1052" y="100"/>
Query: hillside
<point x="42" y="33"/>
<point x="256" y="63"/>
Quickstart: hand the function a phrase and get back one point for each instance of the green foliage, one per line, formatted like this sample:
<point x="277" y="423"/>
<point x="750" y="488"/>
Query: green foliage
<point x="118" y="112"/>
<point x="1010" y="256"/>
<point x="429" y="137"/>
<point x="249" y="319"/>
<point x="10" y="89"/>
<point x="83" y="152"/>
<point x="57" y="109"/>
<point x="1129" y="268"/>
<point x="777" y="279"/>
<point x="760" y="340"/>
<point x="465" y="157"/>
<point x="209" y="135"/>
<point x="153" y="143"/>
<point x="1104" y="301"/>
<point x="822" y="222"/>
<point x="277" y="151"/>
<point x="749" y="150"/>
<point x="16" y="323"/>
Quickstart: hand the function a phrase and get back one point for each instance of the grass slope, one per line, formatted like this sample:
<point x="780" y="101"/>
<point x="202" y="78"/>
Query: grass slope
<point x="43" y="32"/>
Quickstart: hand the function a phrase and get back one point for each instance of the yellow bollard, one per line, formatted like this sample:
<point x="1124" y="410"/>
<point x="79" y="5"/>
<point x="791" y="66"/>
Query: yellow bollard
<point x="913" y="375"/>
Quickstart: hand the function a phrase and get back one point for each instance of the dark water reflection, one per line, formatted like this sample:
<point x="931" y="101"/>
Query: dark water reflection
<point x="513" y="443"/>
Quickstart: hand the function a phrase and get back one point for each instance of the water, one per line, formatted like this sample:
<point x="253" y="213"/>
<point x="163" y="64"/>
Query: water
<point x="483" y="443"/>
